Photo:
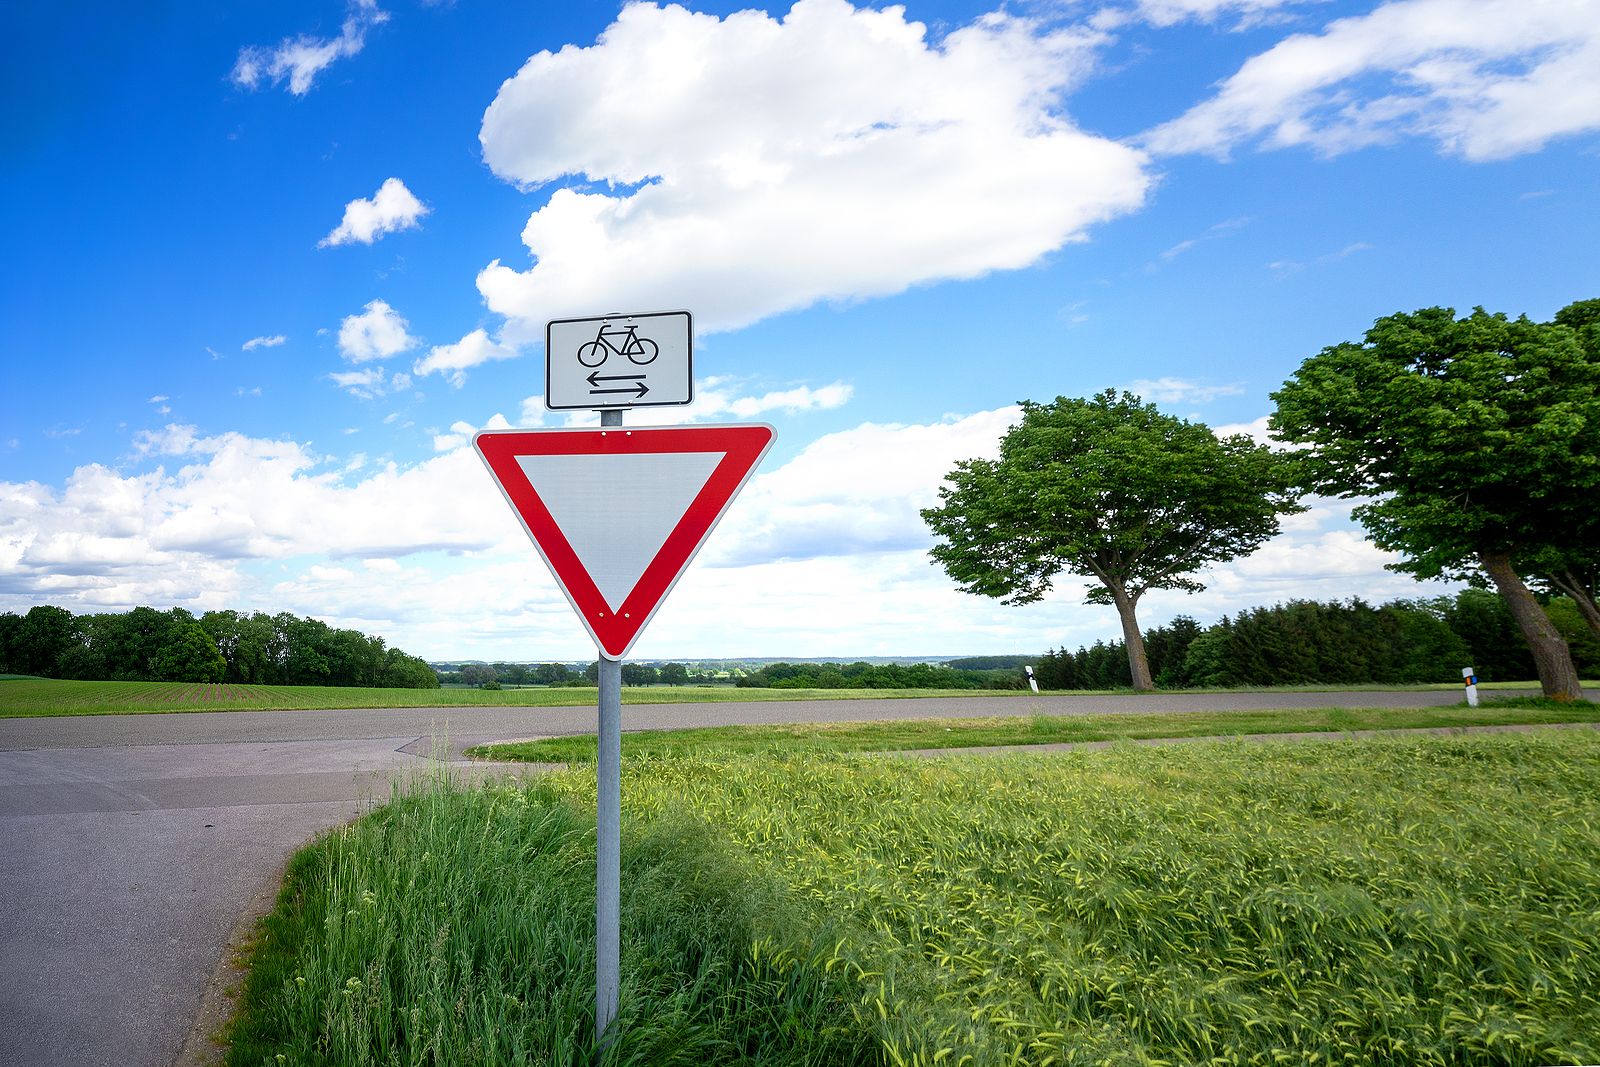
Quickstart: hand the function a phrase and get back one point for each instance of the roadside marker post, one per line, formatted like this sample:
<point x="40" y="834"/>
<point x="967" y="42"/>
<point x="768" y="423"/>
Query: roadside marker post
<point x="1470" y="681"/>
<point x="618" y="515"/>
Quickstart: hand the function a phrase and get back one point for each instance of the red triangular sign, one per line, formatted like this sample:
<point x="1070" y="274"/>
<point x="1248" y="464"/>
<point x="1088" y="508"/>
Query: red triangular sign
<point x="619" y="512"/>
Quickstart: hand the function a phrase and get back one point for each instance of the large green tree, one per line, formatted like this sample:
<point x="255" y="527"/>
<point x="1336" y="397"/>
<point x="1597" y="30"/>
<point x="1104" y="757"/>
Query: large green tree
<point x="1111" y="489"/>
<point x="1479" y="439"/>
<point x="190" y="655"/>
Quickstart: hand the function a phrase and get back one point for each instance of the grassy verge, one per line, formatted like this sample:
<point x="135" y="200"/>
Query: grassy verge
<point x="457" y="927"/>
<point x="914" y="734"/>
<point x="1416" y="901"/>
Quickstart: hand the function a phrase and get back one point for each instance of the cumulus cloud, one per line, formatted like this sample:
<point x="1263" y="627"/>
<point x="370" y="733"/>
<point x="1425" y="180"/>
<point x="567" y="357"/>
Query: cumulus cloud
<point x="452" y="361"/>
<point x="391" y="208"/>
<point x="264" y="342"/>
<point x="377" y="332"/>
<point x="1486" y="79"/>
<point x="753" y="165"/>
<point x="298" y="60"/>
<point x="461" y="432"/>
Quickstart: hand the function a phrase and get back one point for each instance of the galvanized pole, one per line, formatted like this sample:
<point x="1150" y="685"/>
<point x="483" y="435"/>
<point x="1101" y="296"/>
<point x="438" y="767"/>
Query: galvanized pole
<point x="608" y="838"/>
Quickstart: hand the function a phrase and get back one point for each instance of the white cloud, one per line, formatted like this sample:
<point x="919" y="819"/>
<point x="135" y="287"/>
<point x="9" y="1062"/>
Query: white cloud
<point x="264" y="342"/>
<point x="378" y="332"/>
<point x="452" y="361"/>
<point x="1256" y="429"/>
<point x="1171" y="390"/>
<point x="1221" y="229"/>
<point x="392" y="207"/>
<point x="158" y="399"/>
<point x="300" y="59"/>
<point x="1285" y="267"/>
<point x="835" y="154"/>
<point x="372" y="382"/>
<point x="858" y="490"/>
<point x="714" y="398"/>
<point x="461" y="432"/>
<point x="1171" y="12"/>
<point x="1486" y="79"/>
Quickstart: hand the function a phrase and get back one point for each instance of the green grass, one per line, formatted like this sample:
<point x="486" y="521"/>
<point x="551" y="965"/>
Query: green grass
<point x="1400" y="901"/>
<point x="914" y="734"/>
<point x="457" y="928"/>
<point x="50" y="696"/>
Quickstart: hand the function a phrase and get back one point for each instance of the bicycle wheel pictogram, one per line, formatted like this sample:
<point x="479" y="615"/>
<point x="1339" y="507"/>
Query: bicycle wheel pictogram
<point x="643" y="351"/>
<point x="593" y="354"/>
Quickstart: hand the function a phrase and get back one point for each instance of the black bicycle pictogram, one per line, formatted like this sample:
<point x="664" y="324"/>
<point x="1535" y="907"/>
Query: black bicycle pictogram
<point x="624" y="342"/>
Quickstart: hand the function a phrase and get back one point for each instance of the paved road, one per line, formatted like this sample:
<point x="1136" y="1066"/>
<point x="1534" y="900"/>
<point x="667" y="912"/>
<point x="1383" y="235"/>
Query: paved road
<point x="131" y="845"/>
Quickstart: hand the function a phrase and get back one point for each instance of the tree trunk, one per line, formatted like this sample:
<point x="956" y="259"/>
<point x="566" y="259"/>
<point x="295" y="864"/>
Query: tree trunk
<point x="1552" y="658"/>
<point x="1132" y="639"/>
<point x="1575" y="588"/>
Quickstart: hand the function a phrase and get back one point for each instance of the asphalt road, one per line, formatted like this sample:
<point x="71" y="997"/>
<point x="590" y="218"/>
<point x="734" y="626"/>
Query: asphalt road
<point x="132" y="845"/>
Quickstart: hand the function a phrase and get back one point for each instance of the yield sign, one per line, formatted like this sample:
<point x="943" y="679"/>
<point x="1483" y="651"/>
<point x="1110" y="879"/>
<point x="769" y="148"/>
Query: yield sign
<point x="618" y="513"/>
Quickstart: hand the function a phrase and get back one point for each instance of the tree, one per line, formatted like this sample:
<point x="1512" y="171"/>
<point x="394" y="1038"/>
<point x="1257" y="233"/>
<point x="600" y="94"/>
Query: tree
<point x="674" y="674"/>
<point x="44" y="635"/>
<point x="1111" y="489"/>
<point x="476" y="674"/>
<point x="639" y="674"/>
<point x="552" y="674"/>
<point x="189" y="655"/>
<point x="1480" y="439"/>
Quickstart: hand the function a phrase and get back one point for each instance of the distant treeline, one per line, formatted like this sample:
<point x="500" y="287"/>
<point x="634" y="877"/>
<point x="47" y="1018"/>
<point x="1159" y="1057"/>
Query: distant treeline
<point x="877" y="676"/>
<point x="220" y="646"/>
<point x="1304" y="642"/>
<point x="499" y="675"/>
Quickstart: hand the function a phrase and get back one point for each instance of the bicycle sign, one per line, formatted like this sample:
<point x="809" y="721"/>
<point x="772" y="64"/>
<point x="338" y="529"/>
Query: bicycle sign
<point x="613" y="341"/>
<point x="618" y="361"/>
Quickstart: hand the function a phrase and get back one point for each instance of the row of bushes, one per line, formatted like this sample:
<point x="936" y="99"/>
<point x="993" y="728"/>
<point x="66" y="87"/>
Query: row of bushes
<point x="220" y="646"/>
<point x="1304" y="642"/>
<point x="876" y="676"/>
<point x="499" y="675"/>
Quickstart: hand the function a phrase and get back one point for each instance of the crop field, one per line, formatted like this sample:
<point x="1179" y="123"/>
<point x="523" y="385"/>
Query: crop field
<point x="1415" y="901"/>
<point x="911" y="735"/>
<point x="50" y="696"/>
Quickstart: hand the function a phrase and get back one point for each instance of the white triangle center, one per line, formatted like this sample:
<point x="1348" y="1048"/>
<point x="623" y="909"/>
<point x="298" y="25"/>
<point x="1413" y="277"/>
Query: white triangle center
<point x="616" y="511"/>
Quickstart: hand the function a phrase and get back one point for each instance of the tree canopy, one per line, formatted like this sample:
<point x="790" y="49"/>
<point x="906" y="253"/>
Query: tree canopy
<point x="1111" y="489"/>
<point x="1479" y="437"/>
<point x="221" y="646"/>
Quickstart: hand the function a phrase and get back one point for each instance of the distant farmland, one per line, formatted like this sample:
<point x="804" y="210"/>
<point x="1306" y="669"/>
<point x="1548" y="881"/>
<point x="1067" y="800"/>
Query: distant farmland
<point x="50" y="696"/>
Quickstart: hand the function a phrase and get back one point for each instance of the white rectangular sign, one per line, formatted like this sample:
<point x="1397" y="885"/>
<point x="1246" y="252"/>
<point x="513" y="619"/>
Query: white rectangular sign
<point x="618" y="361"/>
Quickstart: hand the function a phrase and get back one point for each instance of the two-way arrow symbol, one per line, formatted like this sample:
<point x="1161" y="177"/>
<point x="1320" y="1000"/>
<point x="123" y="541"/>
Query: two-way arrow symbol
<point x="638" y="388"/>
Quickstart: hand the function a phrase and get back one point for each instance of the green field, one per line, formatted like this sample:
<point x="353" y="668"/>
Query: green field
<point x="1409" y="901"/>
<point x="903" y="735"/>
<point x="50" y="696"/>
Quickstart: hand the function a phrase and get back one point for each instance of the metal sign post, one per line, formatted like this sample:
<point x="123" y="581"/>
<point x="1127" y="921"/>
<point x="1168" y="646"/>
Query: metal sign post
<point x="617" y="515"/>
<point x="608" y="835"/>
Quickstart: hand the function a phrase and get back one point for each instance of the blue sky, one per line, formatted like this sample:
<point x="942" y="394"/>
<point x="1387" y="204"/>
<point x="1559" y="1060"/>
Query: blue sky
<point x="268" y="265"/>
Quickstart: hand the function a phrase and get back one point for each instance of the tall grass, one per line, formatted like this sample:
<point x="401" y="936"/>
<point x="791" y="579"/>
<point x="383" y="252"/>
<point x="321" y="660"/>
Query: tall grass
<point x="1428" y="901"/>
<point x="456" y="927"/>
